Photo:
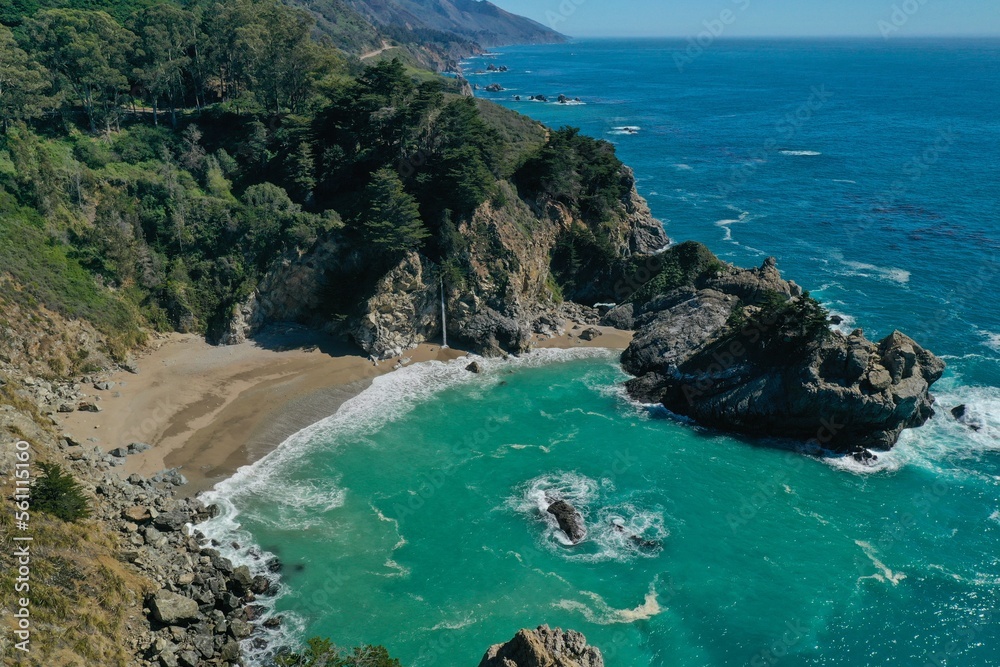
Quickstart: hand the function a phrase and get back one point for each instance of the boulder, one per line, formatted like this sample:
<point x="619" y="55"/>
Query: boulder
<point x="230" y="651"/>
<point x="570" y="521"/>
<point x="544" y="647"/>
<point x="119" y="452"/>
<point x="137" y="514"/>
<point x="474" y="367"/>
<point x="173" y="609"/>
<point x="591" y="334"/>
<point x="241" y="581"/>
<point x="171" y="521"/>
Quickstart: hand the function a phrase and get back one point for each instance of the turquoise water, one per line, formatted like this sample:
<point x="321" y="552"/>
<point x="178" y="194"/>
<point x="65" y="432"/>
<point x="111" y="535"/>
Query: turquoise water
<point x="411" y="517"/>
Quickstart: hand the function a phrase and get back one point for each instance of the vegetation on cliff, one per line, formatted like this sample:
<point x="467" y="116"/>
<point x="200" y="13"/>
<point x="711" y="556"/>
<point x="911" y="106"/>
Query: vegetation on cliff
<point x="158" y="161"/>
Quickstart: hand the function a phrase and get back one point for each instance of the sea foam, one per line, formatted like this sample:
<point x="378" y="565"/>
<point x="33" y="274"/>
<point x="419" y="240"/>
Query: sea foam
<point x="390" y="397"/>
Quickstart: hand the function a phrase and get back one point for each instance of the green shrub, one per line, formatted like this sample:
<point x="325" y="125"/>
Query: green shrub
<point x="55" y="492"/>
<point x="323" y="653"/>
<point x="681" y="265"/>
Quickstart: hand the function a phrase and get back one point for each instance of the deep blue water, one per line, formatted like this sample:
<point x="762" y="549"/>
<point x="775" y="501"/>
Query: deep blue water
<point x="870" y="170"/>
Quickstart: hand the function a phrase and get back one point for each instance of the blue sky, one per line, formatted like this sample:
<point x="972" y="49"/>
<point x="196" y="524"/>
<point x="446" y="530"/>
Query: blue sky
<point x="755" y="18"/>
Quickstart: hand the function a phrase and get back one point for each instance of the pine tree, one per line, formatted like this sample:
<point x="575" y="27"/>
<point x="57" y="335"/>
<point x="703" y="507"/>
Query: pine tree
<point x="57" y="493"/>
<point x="392" y="221"/>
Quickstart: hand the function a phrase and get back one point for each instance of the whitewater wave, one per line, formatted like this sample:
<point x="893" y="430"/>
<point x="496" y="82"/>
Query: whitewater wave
<point x="389" y="398"/>
<point x="801" y="153"/>
<point x="227" y="531"/>
<point x="943" y="445"/>
<point x="615" y="532"/>
<point x="847" y="323"/>
<point x="992" y="340"/>
<point x="302" y="503"/>
<point x="599" y="612"/>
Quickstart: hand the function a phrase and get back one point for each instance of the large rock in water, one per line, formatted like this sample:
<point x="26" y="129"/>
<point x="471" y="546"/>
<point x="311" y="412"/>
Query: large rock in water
<point x="570" y="521"/>
<point x="544" y="647"/>
<point x="745" y="351"/>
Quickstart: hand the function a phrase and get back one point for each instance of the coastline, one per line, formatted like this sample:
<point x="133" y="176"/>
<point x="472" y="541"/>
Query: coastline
<point x="209" y="410"/>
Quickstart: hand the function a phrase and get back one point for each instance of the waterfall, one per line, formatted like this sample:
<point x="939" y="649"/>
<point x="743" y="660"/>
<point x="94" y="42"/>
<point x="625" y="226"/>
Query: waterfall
<point x="444" y="320"/>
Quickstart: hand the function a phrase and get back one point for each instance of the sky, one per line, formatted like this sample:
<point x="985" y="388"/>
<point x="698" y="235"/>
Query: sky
<point x="763" y="18"/>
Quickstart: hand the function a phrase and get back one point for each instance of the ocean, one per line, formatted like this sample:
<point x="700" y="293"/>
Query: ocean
<point x="871" y="171"/>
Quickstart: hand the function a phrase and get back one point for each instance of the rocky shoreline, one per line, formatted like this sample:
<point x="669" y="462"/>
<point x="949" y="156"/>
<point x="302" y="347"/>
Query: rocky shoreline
<point x="207" y="611"/>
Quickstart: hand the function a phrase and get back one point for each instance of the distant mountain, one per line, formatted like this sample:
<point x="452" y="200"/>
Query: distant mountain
<point x="431" y="34"/>
<point x="476" y="20"/>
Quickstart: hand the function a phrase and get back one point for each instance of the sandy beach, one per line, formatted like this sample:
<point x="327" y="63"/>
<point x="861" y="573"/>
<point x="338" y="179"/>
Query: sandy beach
<point x="209" y="410"/>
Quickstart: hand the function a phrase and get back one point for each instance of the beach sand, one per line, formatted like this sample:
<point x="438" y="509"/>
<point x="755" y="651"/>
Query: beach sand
<point x="209" y="410"/>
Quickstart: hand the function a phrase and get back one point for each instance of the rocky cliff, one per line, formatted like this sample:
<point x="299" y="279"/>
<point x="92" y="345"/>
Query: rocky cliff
<point x="504" y="292"/>
<point x="746" y="351"/>
<point x="544" y="647"/>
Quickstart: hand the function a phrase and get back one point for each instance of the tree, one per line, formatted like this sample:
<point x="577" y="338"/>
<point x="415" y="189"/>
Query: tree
<point x="300" y="172"/>
<point x="57" y="493"/>
<point x="23" y="83"/>
<point x="229" y="46"/>
<point x="289" y="62"/>
<point x="166" y="34"/>
<point x="87" y="50"/>
<point x="392" y="221"/>
<point x="323" y="653"/>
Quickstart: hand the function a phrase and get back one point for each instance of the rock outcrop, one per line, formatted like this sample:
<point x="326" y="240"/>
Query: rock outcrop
<point x="544" y="647"/>
<point x="506" y="293"/>
<point x="403" y="310"/>
<point x="746" y="351"/>
<point x="570" y="520"/>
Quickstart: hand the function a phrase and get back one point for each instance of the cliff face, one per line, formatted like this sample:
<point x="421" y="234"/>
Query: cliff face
<point x="506" y="290"/>
<point x="746" y="351"/>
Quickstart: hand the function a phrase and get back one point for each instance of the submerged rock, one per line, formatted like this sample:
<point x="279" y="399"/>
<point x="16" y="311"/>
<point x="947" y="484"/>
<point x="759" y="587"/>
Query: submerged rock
<point x="570" y="521"/>
<point x="544" y="647"/>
